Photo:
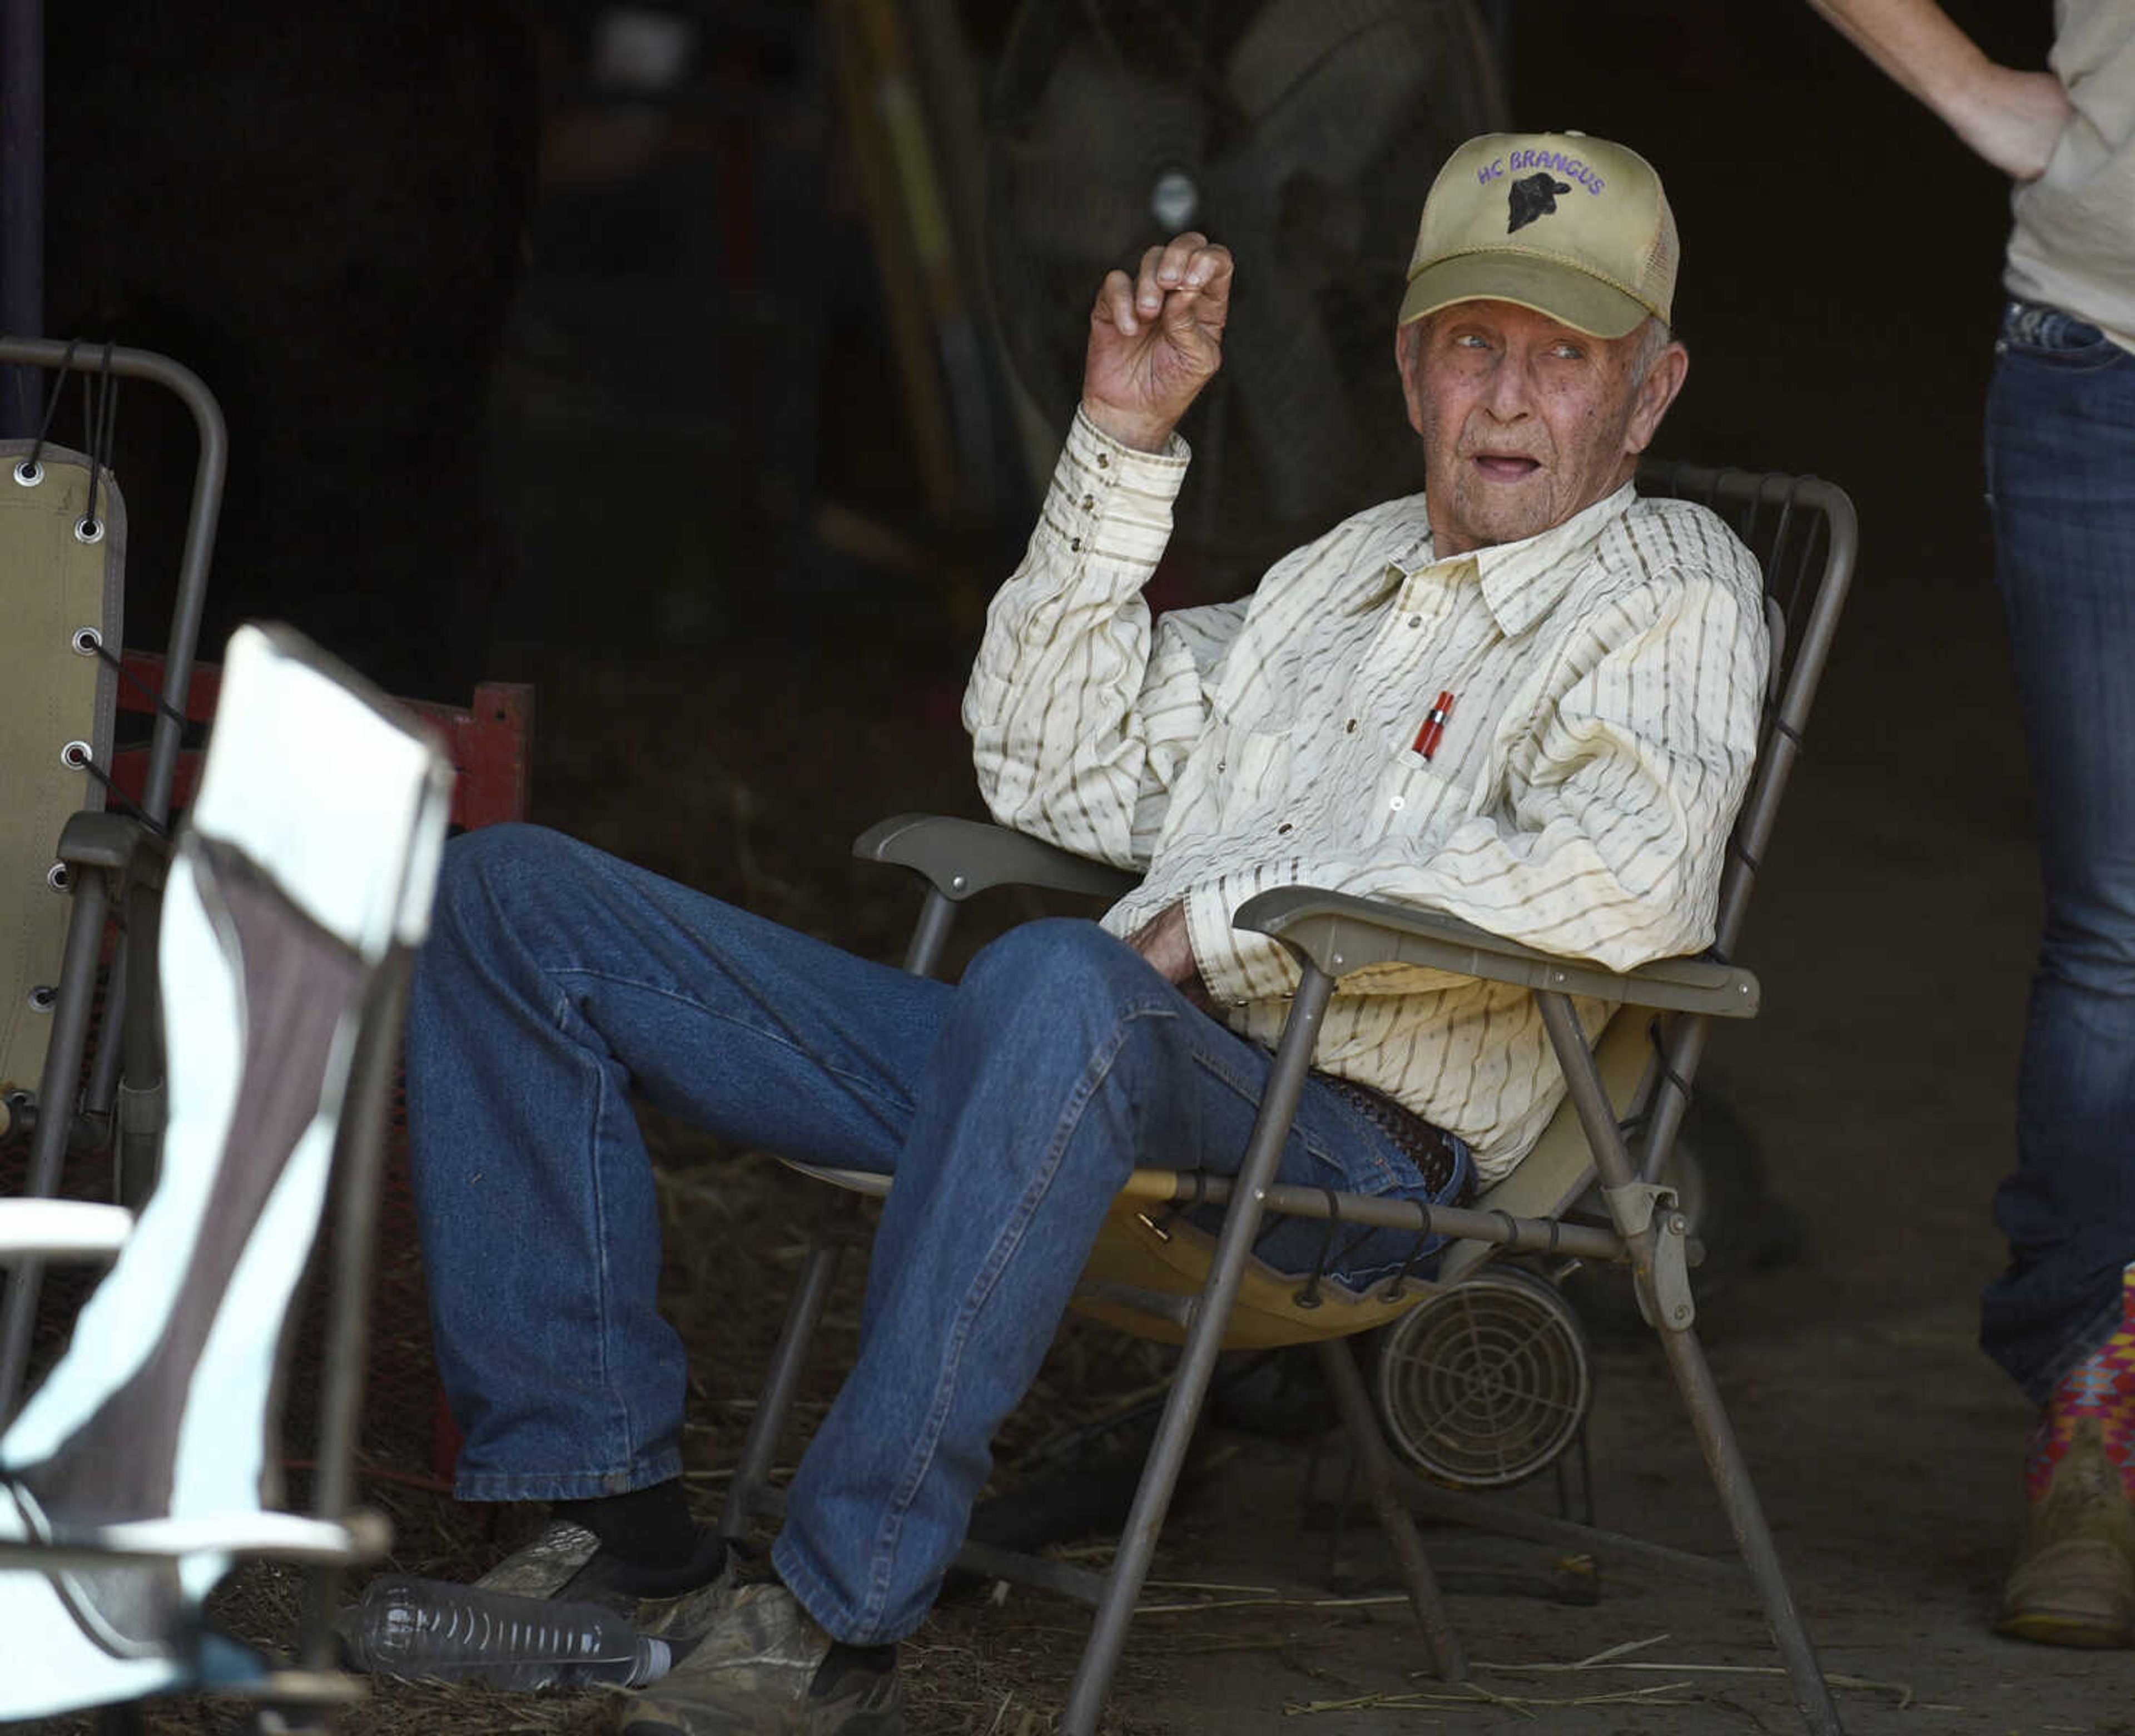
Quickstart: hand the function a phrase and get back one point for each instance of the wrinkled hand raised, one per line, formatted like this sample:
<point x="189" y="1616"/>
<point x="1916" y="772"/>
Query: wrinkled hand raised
<point x="1157" y="339"/>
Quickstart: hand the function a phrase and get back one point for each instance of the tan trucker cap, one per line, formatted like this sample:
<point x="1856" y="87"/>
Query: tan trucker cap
<point x="1574" y="227"/>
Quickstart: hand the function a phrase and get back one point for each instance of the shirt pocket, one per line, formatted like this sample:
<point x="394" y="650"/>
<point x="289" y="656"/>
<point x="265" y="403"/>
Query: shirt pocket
<point x="1415" y="798"/>
<point x="1253" y="771"/>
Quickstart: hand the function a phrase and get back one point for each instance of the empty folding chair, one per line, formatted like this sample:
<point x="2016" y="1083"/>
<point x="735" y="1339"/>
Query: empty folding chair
<point x="63" y="537"/>
<point x="148" y="1462"/>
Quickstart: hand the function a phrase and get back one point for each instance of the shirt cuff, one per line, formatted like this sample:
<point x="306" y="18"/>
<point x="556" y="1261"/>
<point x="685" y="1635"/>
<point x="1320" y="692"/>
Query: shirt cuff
<point x="1085" y="435"/>
<point x="1236" y="965"/>
<point x="1111" y="503"/>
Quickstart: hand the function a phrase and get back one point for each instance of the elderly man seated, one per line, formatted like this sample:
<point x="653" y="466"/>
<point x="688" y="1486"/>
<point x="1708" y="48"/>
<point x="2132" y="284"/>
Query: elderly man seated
<point x="1526" y="697"/>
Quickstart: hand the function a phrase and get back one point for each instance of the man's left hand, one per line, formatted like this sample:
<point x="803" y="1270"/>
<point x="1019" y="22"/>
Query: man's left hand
<point x="1163" y="942"/>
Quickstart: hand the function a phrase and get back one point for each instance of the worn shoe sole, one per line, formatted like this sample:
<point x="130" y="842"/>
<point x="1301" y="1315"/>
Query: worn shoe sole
<point x="2080" y="1593"/>
<point x="765" y="1669"/>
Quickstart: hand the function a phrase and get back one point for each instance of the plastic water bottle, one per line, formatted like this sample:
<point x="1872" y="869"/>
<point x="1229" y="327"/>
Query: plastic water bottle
<point x="431" y="1630"/>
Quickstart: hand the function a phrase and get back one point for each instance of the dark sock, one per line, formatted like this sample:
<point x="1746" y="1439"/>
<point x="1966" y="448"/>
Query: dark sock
<point x="842" y="1662"/>
<point x="647" y="1528"/>
<point x="861" y="1657"/>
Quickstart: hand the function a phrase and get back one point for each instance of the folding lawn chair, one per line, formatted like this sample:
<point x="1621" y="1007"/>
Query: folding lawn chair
<point x="1156" y="1273"/>
<point x="147" y="1460"/>
<point x="62" y="560"/>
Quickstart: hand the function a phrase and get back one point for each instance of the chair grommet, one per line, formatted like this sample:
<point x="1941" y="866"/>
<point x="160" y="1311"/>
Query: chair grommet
<point x="86" y="641"/>
<point x="77" y="756"/>
<point x="89" y="529"/>
<point x="43" y="998"/>
<point x="29" y="475"/>
<point x="58" y="877"/>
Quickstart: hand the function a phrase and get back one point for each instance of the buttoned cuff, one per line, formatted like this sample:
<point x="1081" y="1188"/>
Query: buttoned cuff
<point x="1109" y="453"/>
<point x="1110" y="502"/>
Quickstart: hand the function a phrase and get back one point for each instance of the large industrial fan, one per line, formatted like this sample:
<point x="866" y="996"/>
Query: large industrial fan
<point x="1304" y="135"/>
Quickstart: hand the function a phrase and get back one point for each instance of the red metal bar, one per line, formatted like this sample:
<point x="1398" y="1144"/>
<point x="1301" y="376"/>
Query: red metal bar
<point x="490" y="740"/>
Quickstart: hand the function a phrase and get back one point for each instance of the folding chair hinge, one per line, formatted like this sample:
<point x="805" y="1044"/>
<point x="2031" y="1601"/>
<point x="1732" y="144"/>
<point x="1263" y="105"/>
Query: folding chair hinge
<point x="1664" y="1297"/>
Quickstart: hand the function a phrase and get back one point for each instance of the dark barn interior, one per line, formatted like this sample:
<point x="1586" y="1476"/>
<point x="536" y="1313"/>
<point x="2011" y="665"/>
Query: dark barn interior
<point x="695" y="363"/>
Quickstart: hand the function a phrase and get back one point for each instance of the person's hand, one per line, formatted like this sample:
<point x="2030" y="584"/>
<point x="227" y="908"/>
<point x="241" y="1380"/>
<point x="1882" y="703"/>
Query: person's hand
<point x="1155" y="340"/>
<point x="1163" y="940"/>
<point x="2013" y="119"/>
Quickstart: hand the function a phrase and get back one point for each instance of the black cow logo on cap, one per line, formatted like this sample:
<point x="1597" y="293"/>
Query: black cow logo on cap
<point x="1534" y="195"/>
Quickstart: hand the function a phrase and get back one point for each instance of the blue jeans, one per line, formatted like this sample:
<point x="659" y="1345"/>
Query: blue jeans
<point x="559" y="982"/>
<point x="2061" y="456"/>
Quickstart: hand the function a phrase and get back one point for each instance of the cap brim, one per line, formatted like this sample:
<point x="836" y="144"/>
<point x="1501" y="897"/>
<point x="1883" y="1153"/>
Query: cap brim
<point x="1564" y="293"/>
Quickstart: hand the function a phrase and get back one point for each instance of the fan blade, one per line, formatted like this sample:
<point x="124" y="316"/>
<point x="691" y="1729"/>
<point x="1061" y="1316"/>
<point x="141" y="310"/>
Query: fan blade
<point x="1288" y="39"/>
<point x="1301" y="200"/>
<point x="1334" y="116"/>
<point x="1292" y="392"/>
<point x="1081" y="168"/>
<point x="1064" y="210"/>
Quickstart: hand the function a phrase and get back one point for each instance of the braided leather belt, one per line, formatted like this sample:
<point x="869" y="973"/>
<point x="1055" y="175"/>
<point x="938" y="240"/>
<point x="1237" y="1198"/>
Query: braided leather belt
<point x="1433" y="1150"/>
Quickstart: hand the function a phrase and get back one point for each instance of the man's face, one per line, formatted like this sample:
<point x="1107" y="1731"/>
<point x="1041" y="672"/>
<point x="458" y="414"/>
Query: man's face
<point x="1525" y="422"/>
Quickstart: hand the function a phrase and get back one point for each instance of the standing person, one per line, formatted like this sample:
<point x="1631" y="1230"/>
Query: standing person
<point x="1608" y="655"/>
<point x="2060" y="481"/>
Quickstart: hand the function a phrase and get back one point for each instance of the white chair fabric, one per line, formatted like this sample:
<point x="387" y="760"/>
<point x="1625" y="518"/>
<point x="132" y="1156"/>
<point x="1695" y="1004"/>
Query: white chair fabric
<point x="308" y="861"/>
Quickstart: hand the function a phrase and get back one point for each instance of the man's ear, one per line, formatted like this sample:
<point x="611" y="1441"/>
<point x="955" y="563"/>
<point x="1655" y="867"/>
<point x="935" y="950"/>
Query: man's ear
<point x="1656" y="392"/>
<point x="1408" y="363"/>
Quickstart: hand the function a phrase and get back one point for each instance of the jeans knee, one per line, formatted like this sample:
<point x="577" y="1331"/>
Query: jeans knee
<point x="1059" y="968"/>
<point x="481" y="873"/>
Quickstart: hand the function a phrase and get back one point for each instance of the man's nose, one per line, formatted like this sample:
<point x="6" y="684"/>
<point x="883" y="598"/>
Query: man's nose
<point x="1510" y="394"/>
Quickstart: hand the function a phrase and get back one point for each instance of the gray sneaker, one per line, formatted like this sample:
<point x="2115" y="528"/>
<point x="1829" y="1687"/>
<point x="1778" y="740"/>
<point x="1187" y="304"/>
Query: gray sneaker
<point x="766" y="1669"/>
<point x="567" y="1565"/>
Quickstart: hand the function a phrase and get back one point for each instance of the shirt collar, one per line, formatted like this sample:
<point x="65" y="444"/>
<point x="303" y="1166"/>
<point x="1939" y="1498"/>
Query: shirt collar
<point x="1522" y="581"/>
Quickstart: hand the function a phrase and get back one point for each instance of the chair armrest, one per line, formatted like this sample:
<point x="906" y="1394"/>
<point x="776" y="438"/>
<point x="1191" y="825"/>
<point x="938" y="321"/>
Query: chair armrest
<point x="962" y="857"/>
<point x="1340" y="934"/>
<point x="114" y="842"/>
<point x="266" y="1535"/>
<point x="62" y="1229"/>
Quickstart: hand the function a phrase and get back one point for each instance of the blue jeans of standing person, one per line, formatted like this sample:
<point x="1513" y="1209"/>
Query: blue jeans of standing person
<point x="2060" y="457"/>
<point x="559" y="982"/>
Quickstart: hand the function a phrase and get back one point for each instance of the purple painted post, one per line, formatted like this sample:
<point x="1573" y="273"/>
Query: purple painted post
<point x="21" y="201"/>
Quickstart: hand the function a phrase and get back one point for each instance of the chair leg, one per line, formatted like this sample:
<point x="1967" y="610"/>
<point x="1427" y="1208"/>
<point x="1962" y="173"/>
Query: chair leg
<point x="1196" y="1364"/>
<point x="1347" y="1387"/>
<point x="752" y="1470"/>
<point x="1693" y="1378"/>
<point x="1753" y="1537"/>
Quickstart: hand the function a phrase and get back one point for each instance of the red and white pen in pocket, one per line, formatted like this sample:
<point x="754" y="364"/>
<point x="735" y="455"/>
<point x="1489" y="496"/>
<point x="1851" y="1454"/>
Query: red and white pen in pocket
<point x="1434" y="726"/>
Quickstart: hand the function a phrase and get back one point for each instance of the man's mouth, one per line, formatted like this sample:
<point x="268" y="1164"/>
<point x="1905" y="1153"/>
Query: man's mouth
<point x="1505" y="466"/>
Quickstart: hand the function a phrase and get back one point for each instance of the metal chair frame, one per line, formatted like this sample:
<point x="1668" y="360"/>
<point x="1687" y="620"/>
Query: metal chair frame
<point x="97" y="882"/>
<point x="1803" y="530"/>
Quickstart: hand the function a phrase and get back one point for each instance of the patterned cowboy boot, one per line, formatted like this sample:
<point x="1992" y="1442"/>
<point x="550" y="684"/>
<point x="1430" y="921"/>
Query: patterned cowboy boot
<point x="2073" y="1583"/>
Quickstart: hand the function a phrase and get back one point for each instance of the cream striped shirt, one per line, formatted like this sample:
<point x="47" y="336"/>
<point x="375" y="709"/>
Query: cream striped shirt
<point x="1607" y="677"/>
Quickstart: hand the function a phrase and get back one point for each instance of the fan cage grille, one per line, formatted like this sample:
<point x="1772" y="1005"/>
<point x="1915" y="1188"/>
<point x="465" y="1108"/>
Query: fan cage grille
<point x="1486" y="1383"/>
